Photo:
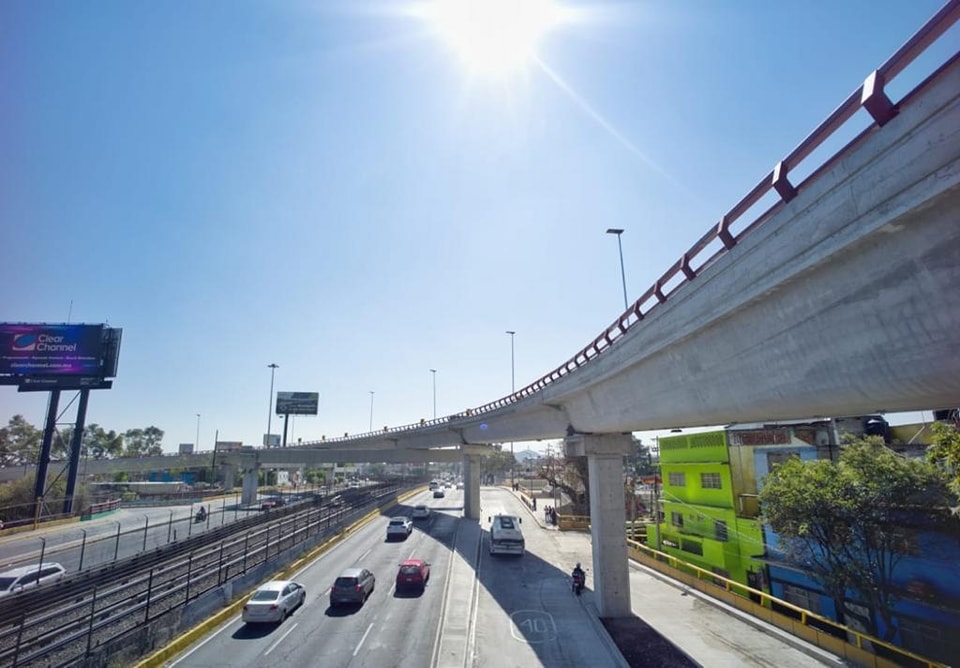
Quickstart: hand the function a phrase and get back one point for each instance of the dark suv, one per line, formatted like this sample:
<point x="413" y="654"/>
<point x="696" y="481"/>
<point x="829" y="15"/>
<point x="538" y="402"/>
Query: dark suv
<point x="353" y="586"/>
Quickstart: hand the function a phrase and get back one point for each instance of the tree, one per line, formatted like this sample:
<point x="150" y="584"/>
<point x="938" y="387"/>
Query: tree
<point x="101" y="444"/>
<point x="143" y="442"/>
<point x="640" y="459"/>
<point x="945" y="455"/>
<point x="571" y="476"/>
<point x="850" y="524"/>
<point x="498" y="462"/>
<point x="19" y="442"/>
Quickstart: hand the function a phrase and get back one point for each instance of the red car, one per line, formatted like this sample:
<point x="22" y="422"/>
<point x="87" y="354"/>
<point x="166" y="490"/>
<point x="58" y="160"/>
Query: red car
<point x="413" y="574"/>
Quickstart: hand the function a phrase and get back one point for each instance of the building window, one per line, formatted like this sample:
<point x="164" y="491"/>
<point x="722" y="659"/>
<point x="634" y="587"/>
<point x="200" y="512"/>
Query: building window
<point x="677" y="479"/>
<point x="676" y="519"/>
<point x="804" y="598"/>
<point x="692" y="547"/>
<point x="723" y="573"/>
<point x="929" y="639"/>
<point x="720" y="530"/>
<point x="710" y="481"/>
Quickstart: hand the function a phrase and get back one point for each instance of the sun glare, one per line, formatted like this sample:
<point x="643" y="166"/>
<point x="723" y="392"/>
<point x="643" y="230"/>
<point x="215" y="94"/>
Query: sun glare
<point x="493" y="36"/>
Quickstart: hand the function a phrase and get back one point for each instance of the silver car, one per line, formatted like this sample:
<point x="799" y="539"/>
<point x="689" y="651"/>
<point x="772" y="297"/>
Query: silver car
<point x="274" y="601"/>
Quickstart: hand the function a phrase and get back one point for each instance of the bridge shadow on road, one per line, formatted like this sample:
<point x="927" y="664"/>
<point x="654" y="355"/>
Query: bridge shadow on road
<point x="536" y="592"/>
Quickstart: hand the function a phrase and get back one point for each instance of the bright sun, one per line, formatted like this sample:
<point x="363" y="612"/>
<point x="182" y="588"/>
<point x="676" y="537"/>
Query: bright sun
<point x="493" y="36"/>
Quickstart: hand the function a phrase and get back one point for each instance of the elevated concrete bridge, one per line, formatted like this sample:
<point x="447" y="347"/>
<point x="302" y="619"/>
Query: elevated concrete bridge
<point x="841" y="298"/>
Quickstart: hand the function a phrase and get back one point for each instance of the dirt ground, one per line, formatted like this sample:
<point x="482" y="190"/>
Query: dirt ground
<point x="642" y="646"/>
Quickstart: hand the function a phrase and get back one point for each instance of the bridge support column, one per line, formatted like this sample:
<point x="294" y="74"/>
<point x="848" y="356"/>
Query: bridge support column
<point x="611" y="574"/>
<point x="471" y="487"/>
<point x="251" y="481"/>
<point x="227" y="472"/>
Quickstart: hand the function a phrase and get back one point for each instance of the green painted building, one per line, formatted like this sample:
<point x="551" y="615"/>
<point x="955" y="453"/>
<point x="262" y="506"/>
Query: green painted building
<point x="709" y="507"/>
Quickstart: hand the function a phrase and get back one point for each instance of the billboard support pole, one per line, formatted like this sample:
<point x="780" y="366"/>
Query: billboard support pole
<point x="213" y="462"/>
<point x="75" y="448"/>
<point x="43" y="462"/>
<point x="286" y="419"/>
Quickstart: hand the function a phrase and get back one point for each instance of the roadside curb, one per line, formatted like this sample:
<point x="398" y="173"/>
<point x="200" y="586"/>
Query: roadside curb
<point x="618" y="659"/>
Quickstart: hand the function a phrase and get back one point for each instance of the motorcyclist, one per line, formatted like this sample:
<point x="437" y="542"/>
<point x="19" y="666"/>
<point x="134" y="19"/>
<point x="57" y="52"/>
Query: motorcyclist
<point x="579" y="577"/>
<point x="201" y="514"/>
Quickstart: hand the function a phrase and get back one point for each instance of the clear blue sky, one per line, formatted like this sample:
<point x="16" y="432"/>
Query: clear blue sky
<point x="329" y="186"/>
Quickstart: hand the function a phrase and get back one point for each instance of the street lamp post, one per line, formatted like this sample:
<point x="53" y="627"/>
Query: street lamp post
<point x="623" y="275"/>
<point x="371" y="410"/>
<point x="273" y="367"/>
<point x="513" y="388"/>
<point x="197" y="442"/>
<point x="434" y="372"/>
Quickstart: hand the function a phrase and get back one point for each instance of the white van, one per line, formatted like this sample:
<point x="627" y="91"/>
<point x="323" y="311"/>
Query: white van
<point x="25" y="577"/>
<point x="505" y="535"/>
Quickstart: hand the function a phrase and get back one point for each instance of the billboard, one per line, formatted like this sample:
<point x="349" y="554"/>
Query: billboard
<point x="186" y="448"/>
<point x="51" y="350"/>
<point x="297" y="403"/>
<point x="228" y="446"/>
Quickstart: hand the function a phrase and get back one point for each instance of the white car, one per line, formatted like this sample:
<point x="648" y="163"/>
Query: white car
<point x="26" y="577"/>
<point x="421" y="512"/>
<point x="274" y="601"/>
<point x="439" y="492"/>
<point x="399" y="527"/>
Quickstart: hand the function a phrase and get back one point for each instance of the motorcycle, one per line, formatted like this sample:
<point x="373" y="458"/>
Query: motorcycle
<point x="200" y="516"/>
<point x="577" y="579"/>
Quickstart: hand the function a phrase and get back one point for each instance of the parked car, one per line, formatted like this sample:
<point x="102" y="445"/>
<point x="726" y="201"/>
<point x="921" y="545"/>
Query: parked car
<point x="399" y="527"/>
<point x="272" y="602"/>
<point x="354" y="585"/>
<point x="420" y="512"/>
<point x="26" y="577"/>
<point x="413" y="574"/>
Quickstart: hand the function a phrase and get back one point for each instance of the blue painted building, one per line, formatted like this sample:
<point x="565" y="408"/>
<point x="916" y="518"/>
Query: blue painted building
<point x="927" y="616"/>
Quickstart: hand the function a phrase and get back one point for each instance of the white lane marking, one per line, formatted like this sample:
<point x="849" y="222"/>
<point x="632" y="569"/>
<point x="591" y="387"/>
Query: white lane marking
<point x="280" y="640"/>
<point x="364" y="555"/>
<point x="435" y="654"/>
<point x="472" y="616"/>
<point x="360" y="644"/>
<point x="202" y="642"/>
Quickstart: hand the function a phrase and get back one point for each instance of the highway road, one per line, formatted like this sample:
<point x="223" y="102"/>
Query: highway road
<point x="477" y="610"/>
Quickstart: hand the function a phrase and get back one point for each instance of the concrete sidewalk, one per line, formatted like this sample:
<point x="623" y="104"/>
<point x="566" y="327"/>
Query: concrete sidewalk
<point x="709" y="632"/>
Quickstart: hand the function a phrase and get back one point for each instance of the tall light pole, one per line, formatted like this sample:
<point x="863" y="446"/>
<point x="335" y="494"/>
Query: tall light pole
<point x="273" y="367"/>
<point x="434" y="372"/>
<point x="513" y="388"/>
<point x="371" y="410"/>
<point x="623" y="275"/>
<point x="197" y="442"/>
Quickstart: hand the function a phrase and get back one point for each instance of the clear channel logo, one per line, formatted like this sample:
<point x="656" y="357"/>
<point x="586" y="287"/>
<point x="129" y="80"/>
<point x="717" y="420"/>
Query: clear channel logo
<point x="25" y="343"/>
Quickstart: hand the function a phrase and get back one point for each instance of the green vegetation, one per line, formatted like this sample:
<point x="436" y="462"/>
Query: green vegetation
<point x="16" y="498"/>
<point x="20" y="442"/>
<point x="851" y="523"/>
<point x="945" y="454"/>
